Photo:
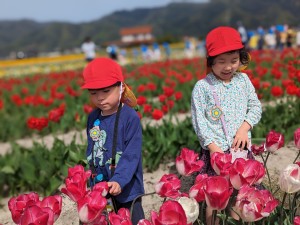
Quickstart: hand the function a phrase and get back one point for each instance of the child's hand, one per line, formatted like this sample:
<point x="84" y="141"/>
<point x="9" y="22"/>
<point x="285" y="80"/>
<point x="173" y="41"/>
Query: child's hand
<point x="241" y="139"/>
<point x="114" y="188"/>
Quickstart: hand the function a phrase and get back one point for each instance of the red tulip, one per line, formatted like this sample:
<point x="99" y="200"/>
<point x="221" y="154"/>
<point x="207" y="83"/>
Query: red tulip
<point x="17" y="205"/>
<point x="121" y="218"/>
<point x="252" y="204"/>
<point x="91" y="206"/>
<point x="289" y="179"/>
<point x="221" y="163"/>
<point x="297" y="138"/>
<point x="297" y="220"/>
<point x="274" y="141"/>
<point x="35" y="215"/>
<point x="157" y="114"/>
<point x="197" y="190"/>
<point x="217" y="192"/>
<point x="276" y="91"/>
<point x="101" y="187"/>
<point x="168" y="186"/>
<point x="170" y="213"/>
<point x="54" y="203"/>
<point x="187" y="162"/>
<point x="246" y="172"/>
<point x="144" y="222"/>
<point x="76" y="182"/>
<point x="258" y="149"/>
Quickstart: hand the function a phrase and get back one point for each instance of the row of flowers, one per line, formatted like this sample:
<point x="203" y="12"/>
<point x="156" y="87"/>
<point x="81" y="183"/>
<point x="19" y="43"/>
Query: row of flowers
<point x="236" y="186"/>
<point x="40" y="98"/>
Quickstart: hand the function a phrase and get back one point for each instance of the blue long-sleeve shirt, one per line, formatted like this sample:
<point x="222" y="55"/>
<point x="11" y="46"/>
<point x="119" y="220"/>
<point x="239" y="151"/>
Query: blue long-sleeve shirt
<point x="238" y="102"/>
<point x="129" y="169"/>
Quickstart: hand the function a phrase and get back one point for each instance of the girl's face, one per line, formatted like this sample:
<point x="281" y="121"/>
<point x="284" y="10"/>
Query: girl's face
<point x="225" y="65"/>
<point x="106" y="99"/>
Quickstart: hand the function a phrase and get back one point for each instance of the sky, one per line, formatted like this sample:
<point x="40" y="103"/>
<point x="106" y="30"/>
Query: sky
<point x="74" y="11"/>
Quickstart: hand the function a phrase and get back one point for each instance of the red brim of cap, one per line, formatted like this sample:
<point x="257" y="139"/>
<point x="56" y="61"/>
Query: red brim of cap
<point x="224" y="49"/>
<point x="99" y="84"/>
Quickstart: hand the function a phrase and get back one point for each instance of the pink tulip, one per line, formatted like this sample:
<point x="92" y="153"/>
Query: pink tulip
<point x="221" y="163"/>
<point x="274" y="141"/>
<point x="187" y="162"/>
<point x="100" y="220"/>
<point x="252" y="204"/>
<point x="79" y="169"/>
<point x="297" y="220"/>
<point x="217" y="192"/>
<point x="101" y="187"/>
<point x="197" y="190"/>
<point x="258" y="149"/>
<point x="289" y="179"/>
<point x="121" y="218"/>
<point x="297" y="138"/>
<point x="170" y="213"/>
<point x="75" y="187"/>
<point x="168" y="186"/>
<point x="244" y="172"/>
<point x="91" y="206"/>
<point x="144" y="222"/>
<point x="54" y="203"/>
<point x="17" y="205"/>
<point x="35" y="215"/>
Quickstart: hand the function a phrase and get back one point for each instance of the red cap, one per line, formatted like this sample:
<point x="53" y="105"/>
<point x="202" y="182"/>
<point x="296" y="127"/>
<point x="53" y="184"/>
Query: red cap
<point x="101" y="73"/>
<point x="223" y="39"/>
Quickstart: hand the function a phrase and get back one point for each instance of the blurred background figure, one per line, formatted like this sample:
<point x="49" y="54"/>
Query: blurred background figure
<point x="156" y="52"/>
<point x="243" y="32"/>
<point x="88" y="47"/>
<point x="298" y="38"/>
<point x="189" y="47"/>
<point x="201" y="47"/>
<point x="112" y="51"/>
<point x="167" y="49"/>
<point x="261" y="34"/>
<point x="122" y="56"/>
<point x="270" y="38"/>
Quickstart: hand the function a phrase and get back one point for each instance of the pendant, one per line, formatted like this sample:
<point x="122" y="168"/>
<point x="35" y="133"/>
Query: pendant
<point x="216" y="113"/>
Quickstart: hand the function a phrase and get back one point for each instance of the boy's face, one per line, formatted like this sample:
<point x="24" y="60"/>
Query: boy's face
<point x="106" y="99"/>
<point x="225" y="65"/>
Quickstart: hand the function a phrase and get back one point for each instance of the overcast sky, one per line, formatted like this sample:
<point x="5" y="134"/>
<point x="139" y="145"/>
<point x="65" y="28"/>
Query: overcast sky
<point x="74" y="11"/>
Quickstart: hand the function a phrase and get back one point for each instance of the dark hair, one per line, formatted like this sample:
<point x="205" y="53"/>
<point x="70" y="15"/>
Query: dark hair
<point x="244" y="57"/>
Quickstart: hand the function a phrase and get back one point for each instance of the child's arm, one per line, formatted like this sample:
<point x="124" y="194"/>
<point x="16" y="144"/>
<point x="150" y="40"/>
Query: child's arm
<point x="131" y="156"/>
<point x="254" y="109"/>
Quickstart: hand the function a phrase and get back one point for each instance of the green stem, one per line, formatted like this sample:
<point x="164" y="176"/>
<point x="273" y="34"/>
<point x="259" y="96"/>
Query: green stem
<point x="268" y="174"/>
<point x="297" y="156"/>
<point x="281" y="209"/>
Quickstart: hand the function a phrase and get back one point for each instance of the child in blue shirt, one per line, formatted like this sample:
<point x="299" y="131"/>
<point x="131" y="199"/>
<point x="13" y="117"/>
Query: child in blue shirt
<point x="114" y="134"/>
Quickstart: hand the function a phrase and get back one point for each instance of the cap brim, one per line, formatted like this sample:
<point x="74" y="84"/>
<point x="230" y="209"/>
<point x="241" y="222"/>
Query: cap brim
<point x="128" y="97"/>
<point x="226" y="49"/>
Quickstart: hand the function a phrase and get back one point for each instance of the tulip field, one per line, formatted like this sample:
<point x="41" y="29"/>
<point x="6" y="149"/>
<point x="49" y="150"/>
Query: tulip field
<point x="52" y="103"/>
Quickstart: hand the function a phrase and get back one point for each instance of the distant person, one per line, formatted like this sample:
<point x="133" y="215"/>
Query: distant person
<point x="112" y="50"/>
<point x="167" y="49"/>
<point x="243" y="32"/>
<point x="88" y="47"/>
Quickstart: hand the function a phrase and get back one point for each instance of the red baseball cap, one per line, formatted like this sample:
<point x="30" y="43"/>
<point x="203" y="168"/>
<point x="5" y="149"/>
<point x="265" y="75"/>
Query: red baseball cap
<point x="104" y="72"/>
<point x="223" y="39"/>
<point x="101" y="73"/>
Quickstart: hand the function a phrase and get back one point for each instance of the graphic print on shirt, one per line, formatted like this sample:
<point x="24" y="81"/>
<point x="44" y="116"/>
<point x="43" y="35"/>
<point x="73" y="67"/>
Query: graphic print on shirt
<point x="99" y="138"/>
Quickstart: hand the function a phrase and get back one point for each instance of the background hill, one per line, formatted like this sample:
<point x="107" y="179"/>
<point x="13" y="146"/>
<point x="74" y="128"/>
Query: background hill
<point x="170" y="22"/>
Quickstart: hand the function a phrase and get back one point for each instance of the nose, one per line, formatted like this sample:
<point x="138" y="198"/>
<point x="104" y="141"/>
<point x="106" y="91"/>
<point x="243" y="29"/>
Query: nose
<point x="100" y="97"/>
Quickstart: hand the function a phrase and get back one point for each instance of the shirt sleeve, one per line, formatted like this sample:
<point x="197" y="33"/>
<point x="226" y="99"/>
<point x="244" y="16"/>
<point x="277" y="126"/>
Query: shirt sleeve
<point x="131" y="156"/>
<point x="254" y="109"/>
<point x="198" y="106"/>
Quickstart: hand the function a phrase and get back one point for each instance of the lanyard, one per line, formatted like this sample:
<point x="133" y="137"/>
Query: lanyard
<point x="213" y="90"/>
